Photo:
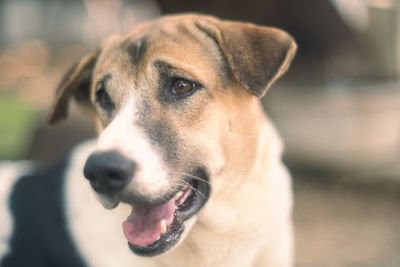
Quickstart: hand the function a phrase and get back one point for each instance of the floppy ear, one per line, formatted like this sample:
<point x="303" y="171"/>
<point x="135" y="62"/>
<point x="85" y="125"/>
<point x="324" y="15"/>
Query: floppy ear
<point x="75" y="83"/>
<point x="256" y="55"/>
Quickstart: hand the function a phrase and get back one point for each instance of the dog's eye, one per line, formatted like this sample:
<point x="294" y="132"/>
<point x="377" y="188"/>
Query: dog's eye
<point x="181" y="86"/>
<point x="103" y="98"/>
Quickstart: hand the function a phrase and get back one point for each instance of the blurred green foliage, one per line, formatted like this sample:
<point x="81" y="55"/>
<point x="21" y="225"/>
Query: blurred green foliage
<point x="16" y="124"/>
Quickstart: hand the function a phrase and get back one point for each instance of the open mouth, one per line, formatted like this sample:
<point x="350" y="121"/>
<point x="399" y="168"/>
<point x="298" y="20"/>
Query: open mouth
<point x="152" y="230"/>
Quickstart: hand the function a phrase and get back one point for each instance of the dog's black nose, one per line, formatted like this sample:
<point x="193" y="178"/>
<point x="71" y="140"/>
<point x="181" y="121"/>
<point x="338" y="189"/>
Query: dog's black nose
<point x="109" y="172"/>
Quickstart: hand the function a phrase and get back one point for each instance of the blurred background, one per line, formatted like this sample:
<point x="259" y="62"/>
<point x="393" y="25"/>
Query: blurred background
<point x="338" y="108"/>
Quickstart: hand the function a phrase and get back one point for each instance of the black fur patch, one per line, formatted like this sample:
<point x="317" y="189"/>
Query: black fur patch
<point x="136" y="50"/>
<point x="40" y="236"/>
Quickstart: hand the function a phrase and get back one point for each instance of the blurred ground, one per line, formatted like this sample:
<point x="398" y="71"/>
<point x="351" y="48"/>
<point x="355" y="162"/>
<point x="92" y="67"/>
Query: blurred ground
<point x="345" y="224"/>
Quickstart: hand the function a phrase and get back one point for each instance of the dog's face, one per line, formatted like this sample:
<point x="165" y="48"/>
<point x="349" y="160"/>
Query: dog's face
<point x="170" y="100"/>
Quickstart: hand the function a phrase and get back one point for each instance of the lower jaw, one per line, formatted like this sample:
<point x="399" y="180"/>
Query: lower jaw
<point x="173" y="235"/>
<point x="165" y="243"/>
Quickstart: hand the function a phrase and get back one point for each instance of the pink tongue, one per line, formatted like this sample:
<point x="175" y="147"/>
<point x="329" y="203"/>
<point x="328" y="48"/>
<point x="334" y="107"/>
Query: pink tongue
<point x="143" y="226"/>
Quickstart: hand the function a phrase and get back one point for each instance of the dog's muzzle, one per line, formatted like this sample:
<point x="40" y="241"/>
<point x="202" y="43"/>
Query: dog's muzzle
<point x="153" y="227"/>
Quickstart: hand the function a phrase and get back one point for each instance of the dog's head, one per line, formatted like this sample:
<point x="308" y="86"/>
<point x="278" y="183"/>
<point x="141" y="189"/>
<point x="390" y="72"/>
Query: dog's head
<point x="175" y="105"/>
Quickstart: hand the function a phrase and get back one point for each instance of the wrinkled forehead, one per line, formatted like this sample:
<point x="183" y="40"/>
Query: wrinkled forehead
<point x="180" y="45"/>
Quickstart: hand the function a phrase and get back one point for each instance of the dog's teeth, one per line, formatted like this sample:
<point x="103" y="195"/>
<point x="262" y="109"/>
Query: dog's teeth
<point x="180" y="193"/>
<point x="163" y="224"/>
<point x="158" y="238"/>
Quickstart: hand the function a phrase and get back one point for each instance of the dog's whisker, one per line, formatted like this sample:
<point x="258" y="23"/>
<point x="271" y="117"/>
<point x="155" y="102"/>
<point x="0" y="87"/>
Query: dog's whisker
<point x="196" y="191"/>
<point x="190" y="175"/>
<point x="179" y="184"/>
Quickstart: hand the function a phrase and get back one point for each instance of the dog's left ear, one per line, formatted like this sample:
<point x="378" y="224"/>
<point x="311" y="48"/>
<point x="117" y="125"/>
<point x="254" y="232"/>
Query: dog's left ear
<point x="256" y="55"/>
<point x="75" y="83"/>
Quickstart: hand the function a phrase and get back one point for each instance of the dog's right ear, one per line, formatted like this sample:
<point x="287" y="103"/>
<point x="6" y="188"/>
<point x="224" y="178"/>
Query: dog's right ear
<point x="75" y="83"/>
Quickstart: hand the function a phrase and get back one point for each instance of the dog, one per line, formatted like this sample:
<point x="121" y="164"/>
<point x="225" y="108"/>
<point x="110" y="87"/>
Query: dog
<point x="186" y="170"/>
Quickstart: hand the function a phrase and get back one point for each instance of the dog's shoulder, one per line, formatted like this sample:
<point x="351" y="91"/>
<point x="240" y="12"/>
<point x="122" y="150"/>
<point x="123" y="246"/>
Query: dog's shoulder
<point x="33" y="231"/>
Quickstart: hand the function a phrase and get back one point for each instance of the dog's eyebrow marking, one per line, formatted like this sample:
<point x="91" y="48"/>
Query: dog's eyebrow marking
<point x="163" y="67"/>
<point x="103" y="81"/>
<point x="136" y="50"/>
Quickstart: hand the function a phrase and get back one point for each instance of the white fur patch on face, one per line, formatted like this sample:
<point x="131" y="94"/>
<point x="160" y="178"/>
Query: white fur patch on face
<point x="125" y="136"/>
<point x="97" y="232"/>
<point x="10" y="172"/>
